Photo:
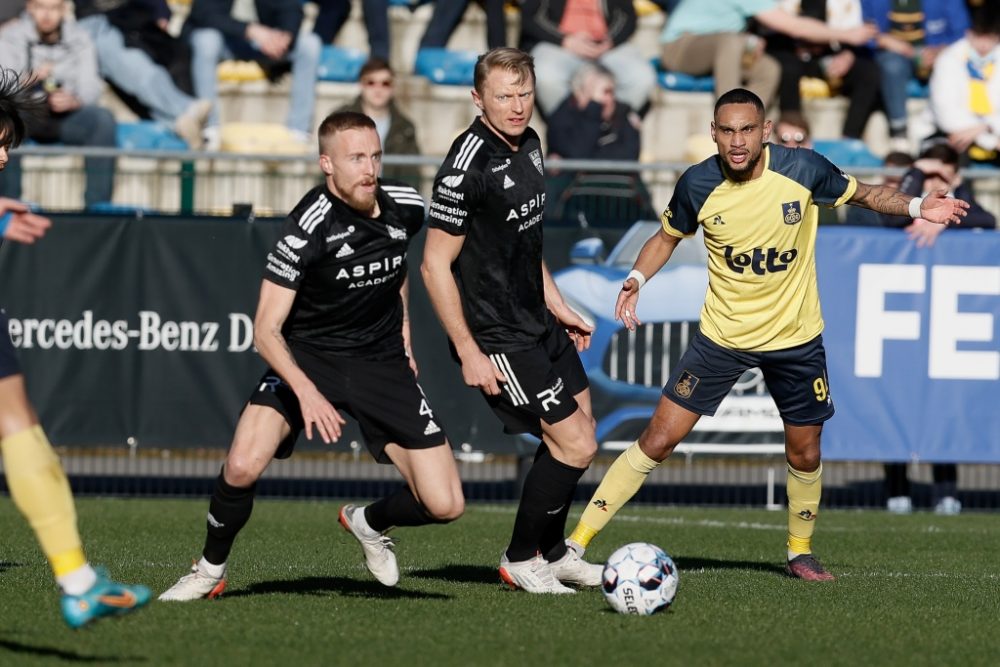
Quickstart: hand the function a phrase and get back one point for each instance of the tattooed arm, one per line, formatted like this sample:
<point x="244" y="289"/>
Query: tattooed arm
<point x="935" y="207"/>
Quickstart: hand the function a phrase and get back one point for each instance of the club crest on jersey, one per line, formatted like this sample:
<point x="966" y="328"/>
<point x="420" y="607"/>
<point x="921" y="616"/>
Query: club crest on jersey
<point x="536" y="159"/>
<point x="791" y="212"/>
<point x="686" y="384"/>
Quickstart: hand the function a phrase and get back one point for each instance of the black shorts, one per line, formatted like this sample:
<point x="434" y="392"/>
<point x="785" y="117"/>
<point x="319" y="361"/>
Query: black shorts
<point x="8" y="357"/>
<point x="796" y="378"/>
<point x="383" y="396"/>
<point x="541" y="383"/>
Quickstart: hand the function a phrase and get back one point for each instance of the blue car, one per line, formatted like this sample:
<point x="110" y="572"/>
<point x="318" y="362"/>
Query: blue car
<point x="627" y="370"/>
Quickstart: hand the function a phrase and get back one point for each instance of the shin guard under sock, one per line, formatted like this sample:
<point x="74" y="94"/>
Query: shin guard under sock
<point x="228" y="511"/>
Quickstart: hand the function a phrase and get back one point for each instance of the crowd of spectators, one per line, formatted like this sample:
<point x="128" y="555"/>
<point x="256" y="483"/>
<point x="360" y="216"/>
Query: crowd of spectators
<point x="867" y="50"/>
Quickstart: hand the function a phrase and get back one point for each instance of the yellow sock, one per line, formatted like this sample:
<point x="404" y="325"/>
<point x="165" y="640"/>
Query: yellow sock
<point x="40" y="490"/>
<point x="621" y="482"/>
<point x="804" y="490"/>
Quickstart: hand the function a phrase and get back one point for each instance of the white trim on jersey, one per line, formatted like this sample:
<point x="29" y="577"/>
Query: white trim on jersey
<point x="404" y="194"/>
<point x="315" y="213"/>
<point x="513" y="387"/>
<point x="469" y="149"/>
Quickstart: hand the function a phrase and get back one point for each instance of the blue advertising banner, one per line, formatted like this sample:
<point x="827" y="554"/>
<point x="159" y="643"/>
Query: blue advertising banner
<point x="913" y="345"/>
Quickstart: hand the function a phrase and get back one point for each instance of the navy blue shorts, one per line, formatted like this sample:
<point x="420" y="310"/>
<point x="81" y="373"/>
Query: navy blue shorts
<point x="795" y="377"/>
<point x="8" y="357"/>
<point x="383" y="396"/>
<point x="541" y="383"/>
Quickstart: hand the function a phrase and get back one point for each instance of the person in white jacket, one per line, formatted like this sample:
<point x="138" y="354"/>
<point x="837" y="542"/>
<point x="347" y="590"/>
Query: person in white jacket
<point x="965" y="89"/>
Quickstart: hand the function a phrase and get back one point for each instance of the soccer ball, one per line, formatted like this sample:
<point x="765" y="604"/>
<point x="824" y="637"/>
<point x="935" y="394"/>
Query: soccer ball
<point x="640" y="579"/>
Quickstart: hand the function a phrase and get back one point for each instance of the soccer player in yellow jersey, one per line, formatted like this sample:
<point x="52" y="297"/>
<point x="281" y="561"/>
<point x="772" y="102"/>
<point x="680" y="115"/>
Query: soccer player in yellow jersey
<point x="757" y="203"/>
<point x="35" y="478"/>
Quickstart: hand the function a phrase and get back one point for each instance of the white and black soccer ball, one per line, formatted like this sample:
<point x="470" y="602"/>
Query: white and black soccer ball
<point x="640" y="579"/>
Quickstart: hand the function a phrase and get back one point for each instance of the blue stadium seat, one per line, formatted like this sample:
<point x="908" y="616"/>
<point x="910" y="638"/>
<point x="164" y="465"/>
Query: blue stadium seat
<point x="339" y="64"/>
<point x="918" y="89"/>
<point x="109" y="208"/>
<point x="446" y="67"/>
<point x="846" y="153"/>
<point x="682" y="83"/>
<point x="148" y="135"/>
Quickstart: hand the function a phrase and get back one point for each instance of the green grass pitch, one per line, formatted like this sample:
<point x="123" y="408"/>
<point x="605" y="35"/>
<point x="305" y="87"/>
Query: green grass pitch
<point x="912" y="590"/>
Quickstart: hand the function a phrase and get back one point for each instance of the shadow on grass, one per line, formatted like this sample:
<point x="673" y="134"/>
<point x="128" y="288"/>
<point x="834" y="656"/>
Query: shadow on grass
<point x="716" y="564"/>
<point x="336" y="585"/>
<point x="18" y="648"/>
<point x="468" y="574"/>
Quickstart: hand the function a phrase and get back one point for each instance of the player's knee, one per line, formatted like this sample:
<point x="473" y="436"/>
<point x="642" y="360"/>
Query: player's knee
<point x="445" y="510"/>
<point x="240" y="472"/>
<point x="807" y="460"/>
<point x="657" y="445"/>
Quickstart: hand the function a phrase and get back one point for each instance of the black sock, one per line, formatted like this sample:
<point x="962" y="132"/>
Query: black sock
<point x="228" y="511"/>
<point x="399" y="509"/>
<point x="548" y="489"/>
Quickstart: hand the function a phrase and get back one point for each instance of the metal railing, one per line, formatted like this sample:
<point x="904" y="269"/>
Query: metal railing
<point x="183" y="182"/>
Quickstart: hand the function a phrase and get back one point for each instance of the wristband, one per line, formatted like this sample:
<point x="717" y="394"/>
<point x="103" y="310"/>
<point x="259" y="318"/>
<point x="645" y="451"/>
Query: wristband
<point x="915" y="207"/>
<point x="4" y="221"/>
<point x="639" y="278"/>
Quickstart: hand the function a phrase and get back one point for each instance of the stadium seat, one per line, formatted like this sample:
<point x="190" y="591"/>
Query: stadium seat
<point x="446" y="67"/>
<point x="110" y="208"/>
<point x="847" y="152"/>
<point x="148" y="135"/>
<point x="340" y="64"/>
<point x="261" y="138"/>
<point x="682" y="83"/>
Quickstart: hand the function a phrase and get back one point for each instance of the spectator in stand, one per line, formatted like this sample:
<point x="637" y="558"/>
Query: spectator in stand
<point x="272" y="39"/>
<point x="333" y="14"/>
<point x="591" y="124"/>
<point x="448" y="14"/>
<point x="792" y="130"/>
<point x="851" y="71"/>
<point x="134" y="51"/>
<point x="564" y="35"/>
<point x="710" y="38"/>
<point x="59" y="55"/>
<point x="396" y="132"/>
<point x="911" y="35"/>
<point x="937" y="169"/>
<point x="965" y="88"/>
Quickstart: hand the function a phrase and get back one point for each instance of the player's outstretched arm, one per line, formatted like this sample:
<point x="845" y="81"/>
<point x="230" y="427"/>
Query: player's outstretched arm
<point x="18" y="223"/>
<point x="272" y="310"/>
<point x="654" y="254"/>
<point x="936" y="207"/>
<point x="440" y="252"/>
<point x="579" y="330"/>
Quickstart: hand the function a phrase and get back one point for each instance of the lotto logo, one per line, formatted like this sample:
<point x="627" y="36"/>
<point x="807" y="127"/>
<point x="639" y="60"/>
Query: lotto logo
<point x="760" y="261"/>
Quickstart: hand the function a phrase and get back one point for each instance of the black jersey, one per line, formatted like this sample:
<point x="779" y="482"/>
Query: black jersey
<point x="347" y="270"/>
<point x="495" y="197"/>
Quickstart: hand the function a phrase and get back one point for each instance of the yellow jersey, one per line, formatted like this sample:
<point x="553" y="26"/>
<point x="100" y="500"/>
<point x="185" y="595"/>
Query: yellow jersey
<point x="761" y="240"/>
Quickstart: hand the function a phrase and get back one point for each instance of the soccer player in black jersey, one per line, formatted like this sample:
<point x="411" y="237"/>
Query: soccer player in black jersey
<point x="34" y="475"/>
<point x="331" y="321"/>
<point x="510" y="328"/>
<point x="757" y="204"/>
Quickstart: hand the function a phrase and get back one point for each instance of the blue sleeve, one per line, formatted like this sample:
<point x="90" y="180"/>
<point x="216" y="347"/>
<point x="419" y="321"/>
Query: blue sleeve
<point x="826" y="181"/>
<point x="681" y="214"/>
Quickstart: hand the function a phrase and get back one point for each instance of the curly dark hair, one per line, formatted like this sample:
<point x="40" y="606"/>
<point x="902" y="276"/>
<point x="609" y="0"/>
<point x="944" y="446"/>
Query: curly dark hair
<point x="17" y="103"/>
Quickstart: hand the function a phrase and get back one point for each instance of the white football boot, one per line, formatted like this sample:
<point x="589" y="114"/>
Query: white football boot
<point x="195" y="586"/>
<point x="572" y="569"/>
<point x="379" y="558"/>
<point x="534" y="576"/>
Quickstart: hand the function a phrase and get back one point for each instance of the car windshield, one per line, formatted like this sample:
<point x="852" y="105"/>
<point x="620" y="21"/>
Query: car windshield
<point x="688" y="251"/>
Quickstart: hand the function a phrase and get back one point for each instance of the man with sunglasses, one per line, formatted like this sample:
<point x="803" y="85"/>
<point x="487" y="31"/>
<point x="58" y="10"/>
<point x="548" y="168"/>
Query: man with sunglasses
<point x="395" y="129"/>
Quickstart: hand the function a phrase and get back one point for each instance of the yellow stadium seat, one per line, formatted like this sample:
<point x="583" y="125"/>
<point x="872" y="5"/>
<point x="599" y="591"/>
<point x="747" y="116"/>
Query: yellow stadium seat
<point x="261" y="138"/>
